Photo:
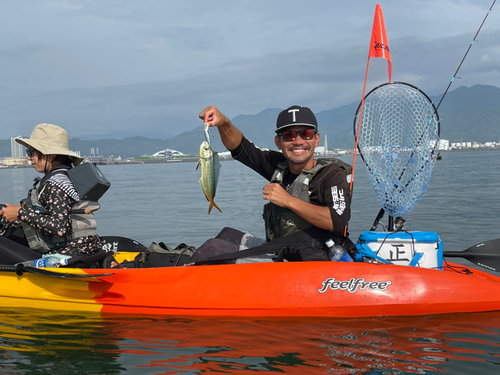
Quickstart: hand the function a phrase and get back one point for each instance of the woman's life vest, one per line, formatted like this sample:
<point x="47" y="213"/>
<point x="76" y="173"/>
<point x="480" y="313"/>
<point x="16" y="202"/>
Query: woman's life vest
<point x="82" y="219"/>
<point x="281" y="221"/>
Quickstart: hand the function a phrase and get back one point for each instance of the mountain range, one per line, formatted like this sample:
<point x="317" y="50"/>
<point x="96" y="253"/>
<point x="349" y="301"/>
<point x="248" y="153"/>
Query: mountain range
<point x="466" y="113"/>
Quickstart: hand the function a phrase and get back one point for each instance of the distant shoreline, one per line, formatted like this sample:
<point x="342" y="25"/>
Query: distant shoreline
<point x="190" y="160"/>
<point x="195" y="159"/>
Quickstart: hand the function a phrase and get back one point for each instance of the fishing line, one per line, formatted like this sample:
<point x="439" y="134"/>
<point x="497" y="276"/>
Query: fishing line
<point x="207" y="135"/>
<point x="466" y="53"/>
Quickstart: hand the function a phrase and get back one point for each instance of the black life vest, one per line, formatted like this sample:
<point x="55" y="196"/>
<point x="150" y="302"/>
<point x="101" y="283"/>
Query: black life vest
<point x="82" y="219"/>
<point x="281" y="221"/>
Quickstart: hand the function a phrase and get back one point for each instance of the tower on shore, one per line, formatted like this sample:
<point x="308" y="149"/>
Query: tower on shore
<point x="16" y="149"/>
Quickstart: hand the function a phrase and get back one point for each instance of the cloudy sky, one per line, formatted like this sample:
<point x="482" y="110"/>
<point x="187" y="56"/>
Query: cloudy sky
<point x="150" y="66"/>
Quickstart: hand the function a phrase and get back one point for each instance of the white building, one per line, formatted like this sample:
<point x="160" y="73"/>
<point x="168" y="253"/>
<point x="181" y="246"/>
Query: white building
<point x="225" y="155"/>
<point x="167" y="153"/>
<point x="461" y="145"/>
<point x="319" y="150"/>
<point x="444" y="144"/>
<point x="16" y="149"/>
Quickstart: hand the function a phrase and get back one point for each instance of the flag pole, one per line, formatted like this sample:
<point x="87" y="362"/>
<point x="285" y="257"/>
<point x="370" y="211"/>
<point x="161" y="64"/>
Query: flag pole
<point x="379" y="47"/>
<point x="359" y="126"/>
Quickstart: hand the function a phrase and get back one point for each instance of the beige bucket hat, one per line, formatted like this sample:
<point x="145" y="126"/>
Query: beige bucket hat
<point x="50" y="140"/>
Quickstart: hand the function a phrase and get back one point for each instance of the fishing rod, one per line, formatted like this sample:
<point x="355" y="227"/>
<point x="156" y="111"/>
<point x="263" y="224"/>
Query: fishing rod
<point x="463" y="59"/>
<point x="436" y="146"/>
<point x="466" y="53"/>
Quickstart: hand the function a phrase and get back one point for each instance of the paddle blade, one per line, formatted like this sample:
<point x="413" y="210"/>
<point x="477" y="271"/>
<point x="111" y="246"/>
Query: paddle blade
<point x="122" y="244"/>
<point x="485" y="254"/>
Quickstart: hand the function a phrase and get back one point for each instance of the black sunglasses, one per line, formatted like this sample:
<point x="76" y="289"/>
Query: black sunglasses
<point x="30" y="152"/>
<point x="291" y="135"/>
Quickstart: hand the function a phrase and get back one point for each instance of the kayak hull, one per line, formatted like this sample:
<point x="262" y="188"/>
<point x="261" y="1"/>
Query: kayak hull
<point x="319" y="289"/>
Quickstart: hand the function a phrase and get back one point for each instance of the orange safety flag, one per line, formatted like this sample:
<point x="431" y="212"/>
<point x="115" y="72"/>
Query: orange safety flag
<point x="379" y="45"/>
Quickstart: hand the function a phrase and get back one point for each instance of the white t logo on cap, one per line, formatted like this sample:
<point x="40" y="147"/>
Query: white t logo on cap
<point x="292" y="111"/>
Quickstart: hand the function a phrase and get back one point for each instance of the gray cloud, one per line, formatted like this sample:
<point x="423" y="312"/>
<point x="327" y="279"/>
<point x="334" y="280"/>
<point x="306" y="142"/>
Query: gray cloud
<point x="102" y="66"/>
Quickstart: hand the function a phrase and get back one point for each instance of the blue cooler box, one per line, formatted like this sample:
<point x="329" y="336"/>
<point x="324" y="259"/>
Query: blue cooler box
<point x="420" y="249"/>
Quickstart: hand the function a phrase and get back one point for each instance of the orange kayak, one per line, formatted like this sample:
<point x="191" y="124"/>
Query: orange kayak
<point x="316" y="289"/>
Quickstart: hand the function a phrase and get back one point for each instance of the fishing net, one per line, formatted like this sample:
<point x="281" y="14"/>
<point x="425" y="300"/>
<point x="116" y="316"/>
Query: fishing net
<point x="398" y="142"/>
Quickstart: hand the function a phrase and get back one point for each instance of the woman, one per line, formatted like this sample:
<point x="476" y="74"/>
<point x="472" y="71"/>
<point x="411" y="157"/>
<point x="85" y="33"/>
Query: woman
<point x="47" y="216"/>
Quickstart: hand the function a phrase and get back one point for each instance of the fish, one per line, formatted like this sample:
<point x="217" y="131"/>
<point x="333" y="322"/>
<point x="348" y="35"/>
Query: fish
<point x="210" y="168"/>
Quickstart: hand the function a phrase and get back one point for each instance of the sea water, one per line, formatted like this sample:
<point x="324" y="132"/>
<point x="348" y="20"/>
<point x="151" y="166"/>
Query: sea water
<point x="164" y="202"/>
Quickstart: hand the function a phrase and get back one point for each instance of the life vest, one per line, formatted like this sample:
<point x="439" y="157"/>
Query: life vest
<point x="281" y="221"/>
<point x="82" y="219"/>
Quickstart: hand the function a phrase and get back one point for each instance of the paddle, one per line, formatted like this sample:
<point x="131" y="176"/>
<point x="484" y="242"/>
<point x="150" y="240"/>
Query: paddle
<point x="485" y="254"/>
<point x="20" y="269"/>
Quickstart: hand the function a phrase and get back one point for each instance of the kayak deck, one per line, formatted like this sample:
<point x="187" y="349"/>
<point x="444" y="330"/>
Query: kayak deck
<point x="327" y="289"/>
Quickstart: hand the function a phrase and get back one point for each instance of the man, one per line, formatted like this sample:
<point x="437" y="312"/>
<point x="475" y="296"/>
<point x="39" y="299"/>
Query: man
<point x="305" y="195"/>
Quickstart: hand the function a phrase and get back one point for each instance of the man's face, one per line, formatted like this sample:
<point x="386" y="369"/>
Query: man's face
<point x="297" y="151"/>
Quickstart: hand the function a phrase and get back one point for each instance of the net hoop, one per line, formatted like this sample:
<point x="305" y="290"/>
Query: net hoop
<point x="398" y="142"/>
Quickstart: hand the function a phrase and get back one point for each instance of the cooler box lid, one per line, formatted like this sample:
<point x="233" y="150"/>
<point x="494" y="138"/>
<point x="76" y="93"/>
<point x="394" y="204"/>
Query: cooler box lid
<point x="371" y="236"/>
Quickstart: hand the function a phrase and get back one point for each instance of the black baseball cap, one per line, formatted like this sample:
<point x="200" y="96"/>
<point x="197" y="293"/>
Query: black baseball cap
<point x="296" y="115"/>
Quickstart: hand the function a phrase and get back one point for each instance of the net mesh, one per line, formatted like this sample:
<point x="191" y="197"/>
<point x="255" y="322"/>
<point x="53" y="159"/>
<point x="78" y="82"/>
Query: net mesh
<point x="398" y="139"/>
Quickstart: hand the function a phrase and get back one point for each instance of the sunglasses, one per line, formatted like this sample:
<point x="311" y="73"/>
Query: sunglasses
<point x="30" y="152"/>
<point x="291" y="135"/>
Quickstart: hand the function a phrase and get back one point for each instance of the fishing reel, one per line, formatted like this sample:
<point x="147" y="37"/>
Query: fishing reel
<point x="399" y="223"/>
<point x="394" y="224"/>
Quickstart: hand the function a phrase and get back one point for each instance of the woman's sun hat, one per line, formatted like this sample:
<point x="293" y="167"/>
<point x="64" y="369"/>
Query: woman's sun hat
<point x="50" y="140"/>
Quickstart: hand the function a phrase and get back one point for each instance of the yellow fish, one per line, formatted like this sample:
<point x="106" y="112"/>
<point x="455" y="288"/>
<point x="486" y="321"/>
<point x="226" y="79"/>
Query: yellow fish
<point x="210" y="167"/>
